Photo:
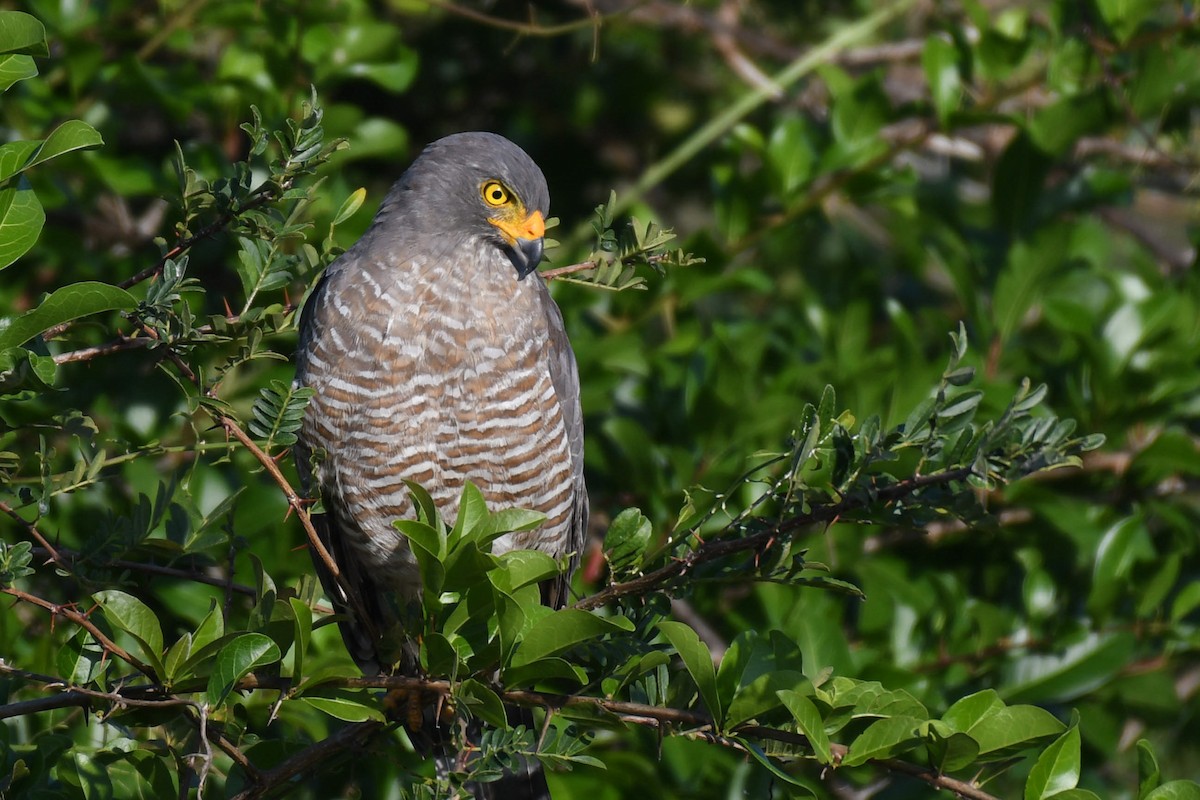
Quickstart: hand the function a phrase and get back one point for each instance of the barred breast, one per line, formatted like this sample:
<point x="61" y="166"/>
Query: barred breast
<point x="430" y="373"/>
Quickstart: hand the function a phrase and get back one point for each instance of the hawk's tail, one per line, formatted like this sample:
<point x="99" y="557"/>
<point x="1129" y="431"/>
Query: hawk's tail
<point x="525" y="780"/>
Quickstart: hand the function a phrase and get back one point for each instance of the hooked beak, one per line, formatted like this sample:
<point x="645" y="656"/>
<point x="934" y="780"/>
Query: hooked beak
<point x="525" y="240"/>
<point x="529" y="253"/>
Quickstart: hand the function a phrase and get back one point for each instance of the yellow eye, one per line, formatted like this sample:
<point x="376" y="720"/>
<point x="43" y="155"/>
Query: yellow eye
<point x="494" y="193"/>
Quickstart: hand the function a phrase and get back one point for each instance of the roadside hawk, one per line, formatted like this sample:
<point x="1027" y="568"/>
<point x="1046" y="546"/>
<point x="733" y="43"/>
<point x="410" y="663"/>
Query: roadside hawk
<point x="438" y="356"/>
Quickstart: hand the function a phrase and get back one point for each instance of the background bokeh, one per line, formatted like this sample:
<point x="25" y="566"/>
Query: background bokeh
<point x="1027" y="169"/>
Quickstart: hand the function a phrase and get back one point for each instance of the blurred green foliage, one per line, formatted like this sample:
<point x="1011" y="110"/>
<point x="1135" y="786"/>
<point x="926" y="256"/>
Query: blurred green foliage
<point x="1027" y="170"/>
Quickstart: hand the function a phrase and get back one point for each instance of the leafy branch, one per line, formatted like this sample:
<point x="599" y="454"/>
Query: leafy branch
<point x="617" y="254"/>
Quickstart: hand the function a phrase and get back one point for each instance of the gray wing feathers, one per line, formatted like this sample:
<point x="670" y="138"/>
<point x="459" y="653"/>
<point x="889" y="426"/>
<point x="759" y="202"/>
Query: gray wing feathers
<point x="564" y="374"/>
<point x="352" y="606"/>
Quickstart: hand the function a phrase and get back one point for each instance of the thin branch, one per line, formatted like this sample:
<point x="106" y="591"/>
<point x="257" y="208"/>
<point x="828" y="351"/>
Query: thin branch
<point x="70" y="558"/>
<point x="295" y="502"/>
<point x="261" y="197"/>
<point x="640" y="713"/>
<point x="522" y="28"/>
<point x="720" y="548"/>
<point x="123" y="697"/>
<point x="34" y="533"/>
<point x="352" y="737"/>
<point x="726" y="45"/>
<point x="356" y="736"/>
<point x="551" y="274"/>
<point x="82" y="621"/>
<point x="118" y="345"/>
<point x="223" y="744"/>
<point x="50" y="703"/>
<point x="823" y="53"/>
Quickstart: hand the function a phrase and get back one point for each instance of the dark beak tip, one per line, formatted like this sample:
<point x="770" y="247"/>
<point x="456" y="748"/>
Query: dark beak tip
<point x="527" y="255"/>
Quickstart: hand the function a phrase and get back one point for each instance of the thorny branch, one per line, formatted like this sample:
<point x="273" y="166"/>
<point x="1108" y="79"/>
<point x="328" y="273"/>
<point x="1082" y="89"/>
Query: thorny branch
<point x="720" y="548"/>
<point x="682" y="721"/>
<point x="69" y="613"/>
<point x="260" y="198"/>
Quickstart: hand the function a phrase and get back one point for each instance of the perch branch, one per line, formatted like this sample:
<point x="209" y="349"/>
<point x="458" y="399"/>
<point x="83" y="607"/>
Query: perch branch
<point x="720" y="548"/>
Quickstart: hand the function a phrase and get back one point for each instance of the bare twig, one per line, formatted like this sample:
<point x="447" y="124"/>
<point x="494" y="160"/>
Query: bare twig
<point x="116" y="346"/>
<point x="34" y="533"/>
<point x="725" y="43"/>
<point x="522" y="28"/>
<point x="558" y="272"/>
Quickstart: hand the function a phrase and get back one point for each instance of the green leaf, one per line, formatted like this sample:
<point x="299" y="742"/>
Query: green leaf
<point x="698" y="661"/>
<point x="1071" y="672"/>
<point x="473" y="518"/>
<point x="395" y="77"/>
<point x="790" y="154"/>
<point x="1057" y="127"/>
<point x="626" y="540"/>
<point x="15" y="155"/>
<point x="940" y="61"/>
<point x="14" y="68"/>
<point x="211" y="628"/>
<point x="544" y="669"/>
<point x="950" y="750"/>
<point x="21" y="221"/>
<point x="511" y="520"/>
<point x="1123" y="545"/>
<point x="131" y="615"/>
<point x="21" y="369"/>
<point x="69" y="136"/>
<point x="1012" y="729"/>
<point x="428" y="546"/>
<point x="278" y="413"/>
<point x="554" y="633"/>
<point x="1126" y="16"/>
<point x="86" y="774"/>
<point x="22" y="33"/>
<point x="1187" y="601"/>
<point x="302" y="623"/>
<point x="346" y="708"/>
<point x="1149" y="774"/>
<point x="969" y="711"/>
<point x="350" y="206"/>
<point x="759" y="695"/>
<point x="1176" y="790"/>
<point x="1017" y="184"/>
<point x="766" y="761"/>
<point x="520" y="568"/>
<point x="481" y="701"/>
<point x="883" y="738"/>
<point x="63" y="305"/>
<point x="808" y="719"/>
<point x="1023" y="279"/>
<point x="238" y="657"/>
<point x="81" y="660"/>
<point x="177" y="656"/>
<point x="438" y="656"/>
<point x="1057" y="768"/>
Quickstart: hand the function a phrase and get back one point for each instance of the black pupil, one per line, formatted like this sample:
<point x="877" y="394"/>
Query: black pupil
<point x="497" y="195"/>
